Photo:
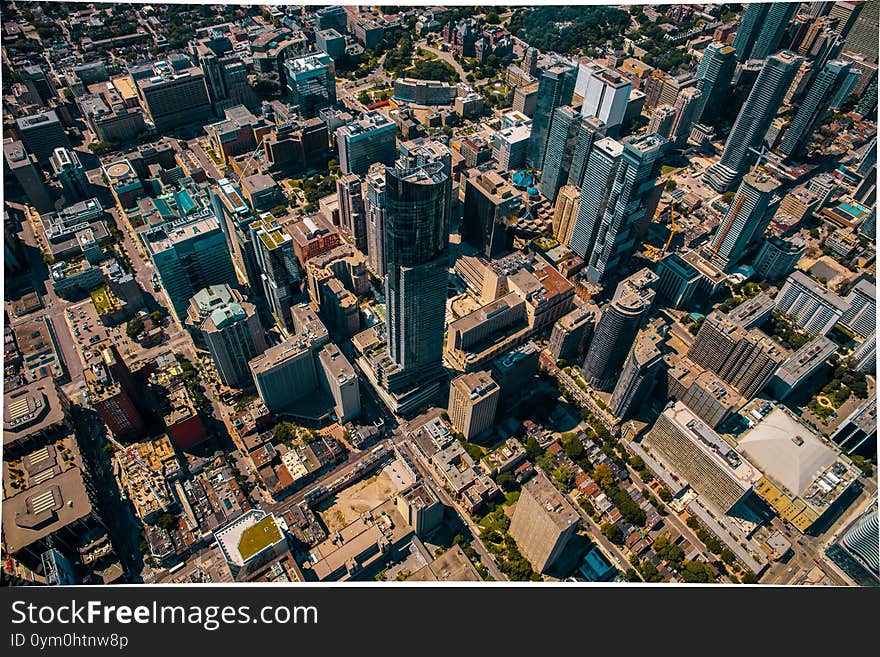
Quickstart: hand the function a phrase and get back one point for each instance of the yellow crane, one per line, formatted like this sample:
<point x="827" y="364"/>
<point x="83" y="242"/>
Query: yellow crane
<point x="673" y="229"/>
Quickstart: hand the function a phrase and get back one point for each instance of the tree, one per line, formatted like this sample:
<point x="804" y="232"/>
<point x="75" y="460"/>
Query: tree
<point x="727" y="556"/>
<point x="613" y="533"/>
<point x="670" y="185"/>
<point x="587" y="506"/>
<point x="603" y="476"/>
<point x="749" y="578"/>
<point x="167" y="521"/>
<point x="507" y="481"/>
<point x="563" y="478"/>
<point x="665" y="494"/>
<point x="134" y="327"/>
<point x="156" y="316"/>
<point x="574" y="449"/>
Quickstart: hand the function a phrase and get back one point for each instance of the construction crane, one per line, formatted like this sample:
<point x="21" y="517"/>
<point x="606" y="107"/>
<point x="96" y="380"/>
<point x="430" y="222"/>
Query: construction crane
<point x="673" y="229"/>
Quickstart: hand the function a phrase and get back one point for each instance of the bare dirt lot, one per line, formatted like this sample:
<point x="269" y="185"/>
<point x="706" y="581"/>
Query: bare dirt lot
<point x="352" y="502"/>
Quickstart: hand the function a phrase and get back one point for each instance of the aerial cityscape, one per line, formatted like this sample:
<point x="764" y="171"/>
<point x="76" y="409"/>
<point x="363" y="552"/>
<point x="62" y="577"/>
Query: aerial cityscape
<point x="440" y="294"/>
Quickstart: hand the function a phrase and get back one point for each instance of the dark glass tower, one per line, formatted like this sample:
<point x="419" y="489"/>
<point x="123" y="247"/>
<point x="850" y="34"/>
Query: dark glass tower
<point x="714" y="75"/>
<point x="773" y="29"/>
<point x="830" y="87"/>
<point x="416" y="249"/>
<point x="618" y="328"/>
<point x="615" y="199"/>
<point x="555" y="89"/>
<point x="749" y="27"/>
<point x="751" y="125"/>
<point x="560" y="148"/>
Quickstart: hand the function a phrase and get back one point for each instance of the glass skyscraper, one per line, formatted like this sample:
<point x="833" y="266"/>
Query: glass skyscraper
<point x="830" y="88"/>
<point x="755" y="117"/>
<point x="555" y="89"/>
<point x="714" y="76"/>
<point x="416" y="249"/>
<point x="614" y="200"/>
<point x="744" y="222"/>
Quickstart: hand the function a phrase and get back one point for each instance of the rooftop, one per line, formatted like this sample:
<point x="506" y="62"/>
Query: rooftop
<point x="558" y="509"/>
<point x="789" y="452"/>
<point x="30" y="409"/>
<point x="39" y="511"/>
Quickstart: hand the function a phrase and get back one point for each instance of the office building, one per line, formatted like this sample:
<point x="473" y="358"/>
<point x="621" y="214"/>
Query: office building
<point x="231" y="331"/>
<point x="762" y="28"/>
<point x="352" y="214"/>
<point x="26" y="173"/>
<point x="375" y="209"/>
<point x="339" y="377"/>
<point x="525" y="99"/>
<point x="276" y="261"/>
<point x="189" y="254"/>
<point x="416" y="250"/>
<point x="372" y="138"/>
<point x="714" y="78"/>
<point x="70" y="173"/>
<point x="565" y="213"/>
<point x="617" y="329"/>
<point x="473" y="401"/>
<point x="235" y="217"/>
<point x="616" y="198"/>
<point x="662" y="120"/>
<point x="639" y="375"/>
<point x="312" y="236"/>
<point x="864" y="356"/>
<point x="862" y="37"/>
<point x="745" y="220"/>
<point x="330" y="42"/>
<point x="589" y="130"/>
<point x="696" y="454"/>
<point x="225" y="73"/>
<point x="311" y="83"/>
<point x="828" y="90"/>
<point x="605" y="93"/>
<point x="773" y="28"/>
<point x="811" y="305"/>
<point x="38" y="84"/>
<point x="491" y="204"/>
<point x="686" y="106"/>
<point x="112" y="393"/>
<point x="745" y="358"/>
<point x="543" y="523"/>
<point x="572" y="333"/>
<point x="678" y="280"/>
<point x="845" y="13"/>
<point x="286" y="372"/>
<point x="800" y="366"/>
<point x="510" y="147"/>
<point x="42" y="133"/>
<point x="424" y="92"/>
<point x="702" y="391"/>
<point x="174" y="98"/>
<point x="421" y="509"/>
<point x="857" y="434"/>
<point x="861" y="315"/>
<point x="754" y="119"/>
<point x="555" y="89"/>
<point x="778" y="257"/>
<point x="561" y="144"/>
